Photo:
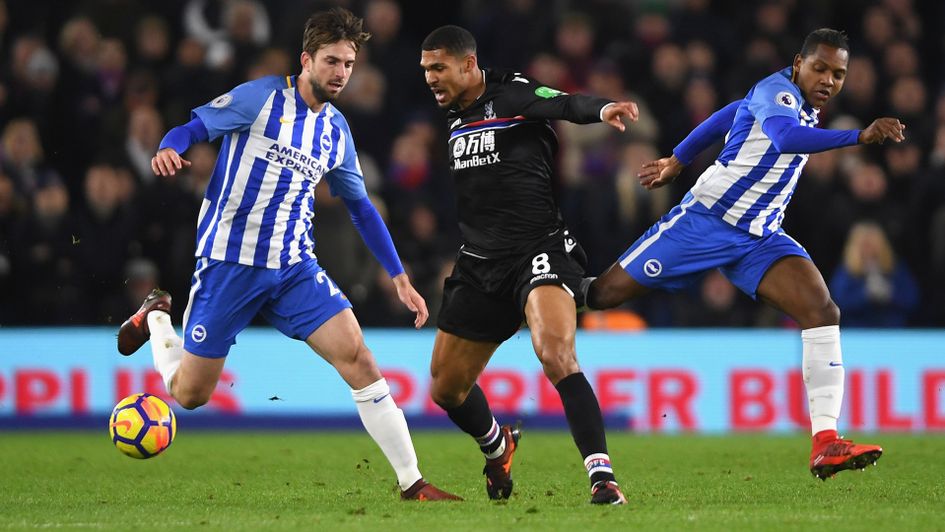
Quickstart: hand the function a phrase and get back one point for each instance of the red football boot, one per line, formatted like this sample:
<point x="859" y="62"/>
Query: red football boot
<point x="832" y="454"/>
<point x="134" y="332"/>
<point x="424" y="491"/>
<point x="607" y="492"/>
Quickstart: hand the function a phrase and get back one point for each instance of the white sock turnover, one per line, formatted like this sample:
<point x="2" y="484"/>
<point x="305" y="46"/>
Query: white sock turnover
<point x="386" y="424"/>
<point x="823" y="376"/>
<point x="489" y="438"/>
<point x="166" y="346"/>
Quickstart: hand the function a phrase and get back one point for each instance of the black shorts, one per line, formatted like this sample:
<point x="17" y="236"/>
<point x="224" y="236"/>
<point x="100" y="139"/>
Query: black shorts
<point x="484" y="299"/>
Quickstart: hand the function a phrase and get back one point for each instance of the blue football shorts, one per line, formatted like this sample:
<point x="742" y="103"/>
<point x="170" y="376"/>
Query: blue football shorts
<point x="690" y="240"/>
<point x="225" y="297"/>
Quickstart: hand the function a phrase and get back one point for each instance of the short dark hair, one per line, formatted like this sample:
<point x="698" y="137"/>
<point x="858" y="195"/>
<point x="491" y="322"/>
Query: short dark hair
<point x="455" y="40"/>
<point x="329" y="27"/>
<point x="828" y="36"/>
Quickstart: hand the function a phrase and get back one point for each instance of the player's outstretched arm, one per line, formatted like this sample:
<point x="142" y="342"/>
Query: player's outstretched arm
<point x="882" y="129"/>
<point x="710" y="131"/>
<point x="374" y="232"/>
<point x="411" y="299"/>
<point x="535" y="101"/>
<point x="655" y="174"/>
<point x="168" y="160"/>
<point x="614" y="113"/>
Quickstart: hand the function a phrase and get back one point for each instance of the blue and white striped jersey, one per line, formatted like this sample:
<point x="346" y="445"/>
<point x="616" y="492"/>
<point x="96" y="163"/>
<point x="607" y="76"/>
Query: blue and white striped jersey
<point x="260" y="201"/>
<point x="751" y="183"/>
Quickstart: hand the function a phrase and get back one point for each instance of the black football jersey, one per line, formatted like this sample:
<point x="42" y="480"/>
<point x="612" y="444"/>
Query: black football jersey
<point x="502" y="151"/>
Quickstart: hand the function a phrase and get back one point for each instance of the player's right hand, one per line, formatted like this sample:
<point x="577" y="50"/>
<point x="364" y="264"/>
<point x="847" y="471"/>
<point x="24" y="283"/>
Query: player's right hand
<point x="167" y="162"/>
<point x="655" y="174"/>
<point x="409" y="296"/>
<point x="882" y="129"/>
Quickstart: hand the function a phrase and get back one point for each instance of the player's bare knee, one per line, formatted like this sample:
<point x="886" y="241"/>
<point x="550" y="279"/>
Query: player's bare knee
<point x="191" y="399"/>
<point x="447" y="397"/>
<point x="557" y="368"/>
<point x="558" y="359"/>
<point x="357" y="365"/>
<point x="552" y="342"/>
<point x="831" y="313"/>
<point x="822" y="314"/>
<point x="362" y="359"/>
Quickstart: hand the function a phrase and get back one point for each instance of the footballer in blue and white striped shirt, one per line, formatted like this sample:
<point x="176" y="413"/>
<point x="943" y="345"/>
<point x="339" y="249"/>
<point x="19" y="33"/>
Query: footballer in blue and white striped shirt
<point x="255" y="252"/>
<point x="731" y="220"/>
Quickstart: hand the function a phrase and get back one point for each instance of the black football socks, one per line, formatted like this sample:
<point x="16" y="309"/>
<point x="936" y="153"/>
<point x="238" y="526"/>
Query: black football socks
<point x="587" y="425"/>
<point x="475" y="418"/>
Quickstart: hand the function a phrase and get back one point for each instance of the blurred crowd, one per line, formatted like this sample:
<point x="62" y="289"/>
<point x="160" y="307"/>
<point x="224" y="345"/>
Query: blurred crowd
<point x="88" y="89"/>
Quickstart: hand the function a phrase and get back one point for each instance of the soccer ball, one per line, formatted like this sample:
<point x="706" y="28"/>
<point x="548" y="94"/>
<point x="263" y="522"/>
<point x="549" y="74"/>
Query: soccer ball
<point x="142" y="425"/>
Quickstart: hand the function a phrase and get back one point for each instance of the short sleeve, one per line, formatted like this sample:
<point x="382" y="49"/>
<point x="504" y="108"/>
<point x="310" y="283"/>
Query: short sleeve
<point x="346" y="179"/>
<point x="236" y="110"/>
<point x="775" y="96"/>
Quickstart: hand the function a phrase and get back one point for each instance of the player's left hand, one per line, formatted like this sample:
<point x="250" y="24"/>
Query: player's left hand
<point x="655" y="174"/>
<point x="411" y="299"/>
<point x="612" y="114"/>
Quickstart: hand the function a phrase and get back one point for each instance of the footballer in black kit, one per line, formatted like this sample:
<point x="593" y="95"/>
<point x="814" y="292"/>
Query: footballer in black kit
<point x="517" y="260"/>
<point x="513" y="236"/>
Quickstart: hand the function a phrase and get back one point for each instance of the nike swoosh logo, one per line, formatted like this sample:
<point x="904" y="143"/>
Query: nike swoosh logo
<point x="124" y="424"/>
<point x="381" y="398"/>
<point x="835" y="364"/>
<point x="285" y="121"/>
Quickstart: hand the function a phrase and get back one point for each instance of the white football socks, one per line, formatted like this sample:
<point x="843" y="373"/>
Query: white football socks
<point x="823" y="376"/>
<point x="386" y="424"/>
<point x="166" y="346"/>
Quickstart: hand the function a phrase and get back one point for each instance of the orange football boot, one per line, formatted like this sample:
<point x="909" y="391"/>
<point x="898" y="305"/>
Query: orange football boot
<point x="498" y="471"/>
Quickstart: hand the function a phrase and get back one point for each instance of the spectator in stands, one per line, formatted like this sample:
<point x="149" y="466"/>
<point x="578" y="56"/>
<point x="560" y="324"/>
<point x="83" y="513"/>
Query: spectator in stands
<point x="43" y="261"/>
<point x="77" y="103"/>
<point x="390" y="52"/>
<point x="145" y="130"/>
<point x="34" y="72"/>
<point x="11" y="211"/>
<point x="872" y="287"/>
<point x="21" y="157"/>
<point x="859" y="96"/>
<point x="716" y="303"/>
<point x="231" y="30"/>
<point x="105" y="229"/>
<point x="574" y="40"/>
<point x="189" y="82"/>
<point x="908" y="98"/>
<point x="152" y="48"/>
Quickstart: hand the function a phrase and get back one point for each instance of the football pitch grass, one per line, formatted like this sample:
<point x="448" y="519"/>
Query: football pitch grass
<point x="340" y="481"/>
